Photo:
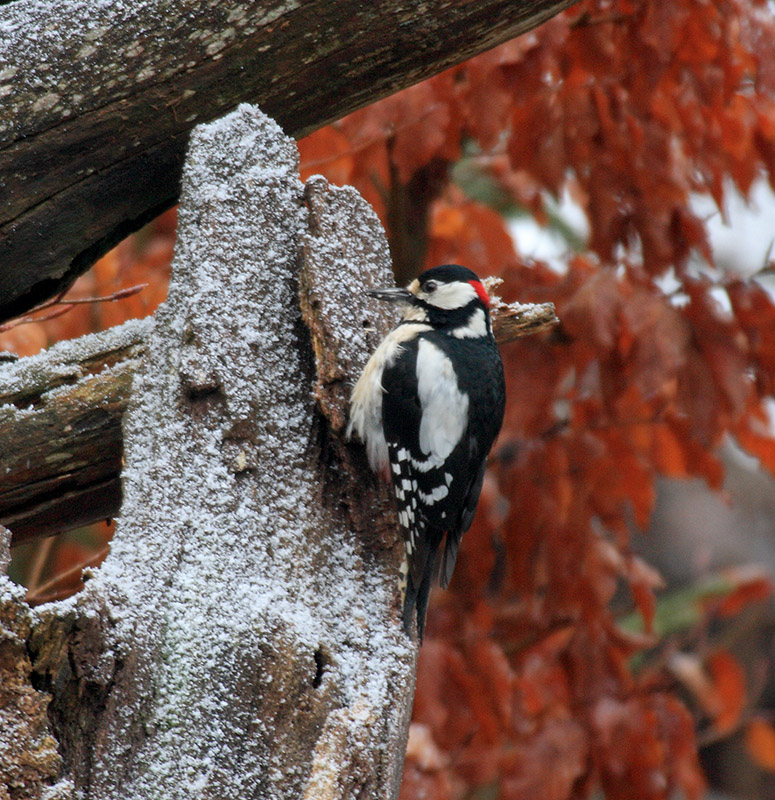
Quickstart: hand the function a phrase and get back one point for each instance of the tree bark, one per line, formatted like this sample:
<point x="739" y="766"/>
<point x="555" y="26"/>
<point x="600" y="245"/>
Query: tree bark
<point x="99" y="99"/>
<point x="61" y="411"/>
<point x="29" y="758"/>
<point x="60" y="431"/>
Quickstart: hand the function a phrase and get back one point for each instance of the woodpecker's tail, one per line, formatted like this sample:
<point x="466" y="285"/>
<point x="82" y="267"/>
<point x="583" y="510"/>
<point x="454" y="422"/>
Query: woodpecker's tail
<point x="422" y="571"/>
<point x="417" y="598"/>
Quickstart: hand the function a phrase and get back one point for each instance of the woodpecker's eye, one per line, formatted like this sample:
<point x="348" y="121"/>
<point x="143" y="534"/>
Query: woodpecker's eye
<point x="429" y="286"/>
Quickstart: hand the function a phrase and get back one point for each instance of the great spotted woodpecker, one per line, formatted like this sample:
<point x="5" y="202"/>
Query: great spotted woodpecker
<point x="428" y="407"/>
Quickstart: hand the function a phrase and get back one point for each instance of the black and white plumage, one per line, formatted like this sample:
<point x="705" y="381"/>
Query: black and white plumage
<point x="428" y="406"/>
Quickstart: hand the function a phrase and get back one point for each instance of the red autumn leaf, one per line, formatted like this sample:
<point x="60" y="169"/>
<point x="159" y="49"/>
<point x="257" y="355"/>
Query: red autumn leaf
<point x="424" y="125"/>
<point x="643" y="581"/>
<point x="465" y="232"/>
<point x="752" y="584"/>
<point x="591" y="313"/>
<point x="485" y="99"/>
<point x="668" y="451"/>
<point x="548" y="764"/>
<point x="328" y="151"/>
<point x="729" y="690"/>
<point x="760" y="743"/>
<point x="644" y="745"/>
<point x="754" y="434"/>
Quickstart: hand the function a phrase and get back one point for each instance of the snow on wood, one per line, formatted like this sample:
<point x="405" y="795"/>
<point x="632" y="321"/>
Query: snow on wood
<point x="345" y="325"/>
<point x="28" y="753"/>
<point x="60" y="431"/>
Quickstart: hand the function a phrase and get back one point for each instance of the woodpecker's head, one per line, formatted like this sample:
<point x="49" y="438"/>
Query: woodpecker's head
<point x="448" y="297"/>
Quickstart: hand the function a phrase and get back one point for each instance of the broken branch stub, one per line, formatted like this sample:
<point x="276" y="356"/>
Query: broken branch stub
<point x="345" y="325"/>
<point x="511" y="321"/>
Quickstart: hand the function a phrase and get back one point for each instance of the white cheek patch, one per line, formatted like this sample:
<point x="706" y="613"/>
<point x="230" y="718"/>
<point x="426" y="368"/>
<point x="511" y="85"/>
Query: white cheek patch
<point x="450" y="295"/>
<point x="444" y="406"/>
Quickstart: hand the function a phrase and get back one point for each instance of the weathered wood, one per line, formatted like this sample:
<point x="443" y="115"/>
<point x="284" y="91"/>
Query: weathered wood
<point x="98" y="100"/>
<point x="61" y="412"/>
<point x="29" y="759"/>
<point x="60" y="432"/>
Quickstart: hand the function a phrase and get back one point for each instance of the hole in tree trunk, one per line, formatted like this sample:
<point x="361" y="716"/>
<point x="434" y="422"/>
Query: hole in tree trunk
<point x="322" y="660"/>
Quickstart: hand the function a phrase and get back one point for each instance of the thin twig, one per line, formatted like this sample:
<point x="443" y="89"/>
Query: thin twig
<point x="48" y="591"/>
<point x="121" y="294"/>
<point x="42" y="553"/>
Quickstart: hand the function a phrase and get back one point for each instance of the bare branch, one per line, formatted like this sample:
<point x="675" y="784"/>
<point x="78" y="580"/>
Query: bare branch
<point x="62" y="306"/>
<point x="98" y="150"/>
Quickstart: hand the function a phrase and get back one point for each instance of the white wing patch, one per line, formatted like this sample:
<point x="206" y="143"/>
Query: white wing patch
<point x="427" y="464"/>
<point x="439" y="493"/>
<point x="444" y="406"/>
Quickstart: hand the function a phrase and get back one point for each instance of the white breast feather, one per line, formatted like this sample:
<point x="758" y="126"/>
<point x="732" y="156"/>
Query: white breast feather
<point x="366" y="397"/>
<point x="444" y="406"/>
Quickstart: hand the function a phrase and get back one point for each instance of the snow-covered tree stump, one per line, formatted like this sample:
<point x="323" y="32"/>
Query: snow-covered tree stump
<point x="243" y="638"/>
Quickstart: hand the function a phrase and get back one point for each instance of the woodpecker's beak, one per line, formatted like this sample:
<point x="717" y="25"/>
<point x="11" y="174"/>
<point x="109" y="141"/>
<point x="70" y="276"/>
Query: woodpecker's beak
<point x="391" y="295"/>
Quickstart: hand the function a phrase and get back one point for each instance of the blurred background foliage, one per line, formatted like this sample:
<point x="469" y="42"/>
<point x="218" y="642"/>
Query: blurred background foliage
<point x="608" y="631"/>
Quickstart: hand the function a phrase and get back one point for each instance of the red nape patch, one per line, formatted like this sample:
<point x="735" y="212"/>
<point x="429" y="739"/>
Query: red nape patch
<point x="482" y="292"/>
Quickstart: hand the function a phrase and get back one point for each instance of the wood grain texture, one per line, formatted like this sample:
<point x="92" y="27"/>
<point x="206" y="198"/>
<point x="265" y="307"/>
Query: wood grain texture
<point x="60" y="434"/>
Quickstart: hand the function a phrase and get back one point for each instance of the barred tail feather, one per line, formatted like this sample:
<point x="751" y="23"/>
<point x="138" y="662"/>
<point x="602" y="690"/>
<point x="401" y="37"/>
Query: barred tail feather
<point x="410" y="601"/>
<point x="423" y="594"/>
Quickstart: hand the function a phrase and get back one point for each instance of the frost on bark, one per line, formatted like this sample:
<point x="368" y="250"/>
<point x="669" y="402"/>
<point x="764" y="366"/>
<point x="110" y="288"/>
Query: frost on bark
<point x="243" y="638"/>
<point x="29" y="760"/>
<point x="60" y="431"/>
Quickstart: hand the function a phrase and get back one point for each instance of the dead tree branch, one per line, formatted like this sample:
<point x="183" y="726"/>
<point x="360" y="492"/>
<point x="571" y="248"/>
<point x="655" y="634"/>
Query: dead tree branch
<point x="98" y="101"/>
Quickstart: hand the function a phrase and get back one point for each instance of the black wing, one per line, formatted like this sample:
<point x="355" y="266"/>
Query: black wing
<point x="437" y="492"/>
